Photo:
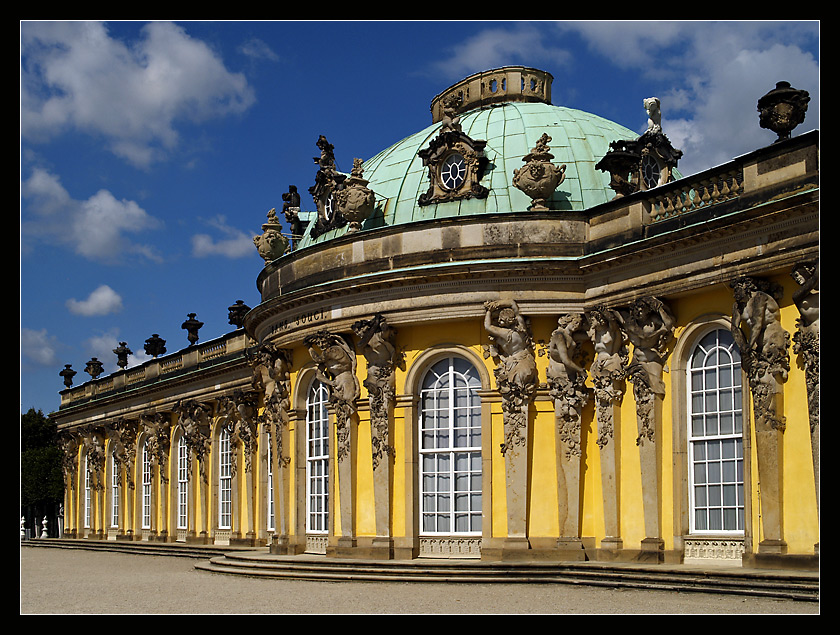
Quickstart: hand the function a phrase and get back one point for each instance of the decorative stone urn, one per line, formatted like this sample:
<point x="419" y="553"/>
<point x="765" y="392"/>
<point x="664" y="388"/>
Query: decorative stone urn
<point x="782" y="109"/>
<point x="272" y="244"/>
<point x="540" y="177"/>
<point x="355" y="201"/>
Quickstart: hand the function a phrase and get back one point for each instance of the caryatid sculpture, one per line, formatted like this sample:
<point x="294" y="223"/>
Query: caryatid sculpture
<point x="516" y="372"/>
<point x="566" y="383"/>
<point x="517" y="382"/>
<point x="194" y="417"/>
<point x="757" y="330"/>
<point x="566" y="378"/>
<point x="608" y="373"/>
<point x="650" y="328"/>
<point x="377" y="341"/>
<point x="336" y="362"/>
<point x="806" y="344"/>
<point x="272" y="379"/>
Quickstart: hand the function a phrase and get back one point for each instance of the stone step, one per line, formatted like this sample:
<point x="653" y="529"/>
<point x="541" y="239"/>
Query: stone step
<point x="258" y="562"/>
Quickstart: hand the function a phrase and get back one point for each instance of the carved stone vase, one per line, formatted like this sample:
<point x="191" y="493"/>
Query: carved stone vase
<point x="539" y="177"/>
<point x="272" y="243"/>
<point x="355" y="201"/>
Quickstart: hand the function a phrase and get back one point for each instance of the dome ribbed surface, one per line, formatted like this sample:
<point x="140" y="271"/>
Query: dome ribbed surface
<point x="578" y="139"/>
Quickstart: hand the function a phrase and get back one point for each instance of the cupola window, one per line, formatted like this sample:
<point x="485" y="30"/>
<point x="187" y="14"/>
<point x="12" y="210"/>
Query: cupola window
<point x="453" y="171"/>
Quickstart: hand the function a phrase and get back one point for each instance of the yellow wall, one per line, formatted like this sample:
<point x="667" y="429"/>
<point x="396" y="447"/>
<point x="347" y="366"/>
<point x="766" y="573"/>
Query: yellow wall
<point x="800" y="516"/>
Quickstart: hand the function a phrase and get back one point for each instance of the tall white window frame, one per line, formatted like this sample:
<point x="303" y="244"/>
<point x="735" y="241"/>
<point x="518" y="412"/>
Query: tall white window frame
<point x="183" y="487"/>
<point x="87" y="494"/>
<point x="450" y="449"/>
<point x="270" y="490"/>
<point x="115" y="491"/>
<point x="317" y="458"/>
<point x="225" y="480"/>
<point x="715" y="436"/>
<point x="146" y="492"/>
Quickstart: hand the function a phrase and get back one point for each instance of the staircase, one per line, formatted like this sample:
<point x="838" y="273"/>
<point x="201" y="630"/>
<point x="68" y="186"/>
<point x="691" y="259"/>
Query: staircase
<point x="258" y="562"/>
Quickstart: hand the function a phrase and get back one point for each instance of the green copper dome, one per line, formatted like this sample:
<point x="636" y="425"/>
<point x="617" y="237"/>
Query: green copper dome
<point x="510" y="129"/>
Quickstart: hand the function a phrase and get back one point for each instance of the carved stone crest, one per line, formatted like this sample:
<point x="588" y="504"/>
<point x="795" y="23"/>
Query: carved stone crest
<point x="456" y="165"/>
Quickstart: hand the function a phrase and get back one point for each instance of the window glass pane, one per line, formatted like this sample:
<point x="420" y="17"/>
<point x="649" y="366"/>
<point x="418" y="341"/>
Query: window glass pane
<point x="715" y="426"/>
<point x="450" y="419"/>
<point x="317" y="458"/>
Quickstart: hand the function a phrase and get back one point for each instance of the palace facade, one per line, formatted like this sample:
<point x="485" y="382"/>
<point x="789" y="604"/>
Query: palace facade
<point x="520" y="333"/>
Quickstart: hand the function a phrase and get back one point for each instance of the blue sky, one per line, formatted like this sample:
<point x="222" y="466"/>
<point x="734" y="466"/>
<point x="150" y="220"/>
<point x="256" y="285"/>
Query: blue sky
<point x="151" y="152"/>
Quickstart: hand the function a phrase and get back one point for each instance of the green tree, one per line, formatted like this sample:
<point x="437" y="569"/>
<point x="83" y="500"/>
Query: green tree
<point x="41" y="479"/>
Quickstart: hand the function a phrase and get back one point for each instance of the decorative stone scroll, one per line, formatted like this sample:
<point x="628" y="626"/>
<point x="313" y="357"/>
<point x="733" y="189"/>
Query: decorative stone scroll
<point x="516" y="379"/>
<point x="757" y="330"/>
<point x="566" y="379"/>
<point x="608" y="372"/>
<point x="539" y="177"/>
<point x="806" y="344"/>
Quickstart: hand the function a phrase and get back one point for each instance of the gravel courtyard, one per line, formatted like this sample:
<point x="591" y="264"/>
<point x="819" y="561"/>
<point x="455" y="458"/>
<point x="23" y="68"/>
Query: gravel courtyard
<point x="60" y="581"/>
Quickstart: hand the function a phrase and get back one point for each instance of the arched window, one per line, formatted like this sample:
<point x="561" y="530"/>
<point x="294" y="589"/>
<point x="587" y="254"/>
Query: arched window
<point x="115" y="491"/>
<point x="225" y="480"/>
<point x="450" y="449"/>
<point x="317" y="458"/>
<point x="715" y="436"/>
<point x="87" y="494"/>
<point x="183" y="483"/>
<point x="270" y="503"/>
<point x="146" y="518"/>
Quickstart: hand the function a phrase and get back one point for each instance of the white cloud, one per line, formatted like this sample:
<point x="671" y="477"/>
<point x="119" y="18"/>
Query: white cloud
<point x="38" y="346"/>
<point x="95" y="228"/>
<point x="75" y="76"/>
<point x="257" y="49"/>
<point x="236" y="244"/>
<point x="714" y="72"/>
<point x="522" y="43"/>
<point x="102" y="301"/>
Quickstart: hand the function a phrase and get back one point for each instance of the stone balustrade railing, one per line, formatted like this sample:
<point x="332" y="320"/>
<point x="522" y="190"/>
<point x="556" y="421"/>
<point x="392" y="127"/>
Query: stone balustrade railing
<point x="157" y="368"/>
<point x="689" y="195"/>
